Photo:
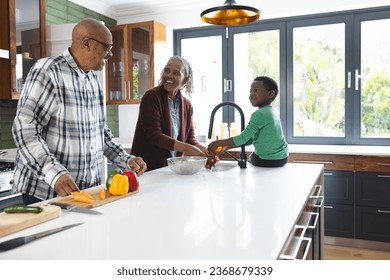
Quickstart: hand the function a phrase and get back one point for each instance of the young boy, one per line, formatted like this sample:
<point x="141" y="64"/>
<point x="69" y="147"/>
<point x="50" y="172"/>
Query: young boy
<point x="264" y="129"/>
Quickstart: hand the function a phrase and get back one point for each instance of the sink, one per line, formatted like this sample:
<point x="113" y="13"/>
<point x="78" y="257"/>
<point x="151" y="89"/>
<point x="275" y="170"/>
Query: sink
<point x="224" y="166"/>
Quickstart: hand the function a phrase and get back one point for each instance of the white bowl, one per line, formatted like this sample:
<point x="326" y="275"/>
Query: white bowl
<point x="186" y="165"/>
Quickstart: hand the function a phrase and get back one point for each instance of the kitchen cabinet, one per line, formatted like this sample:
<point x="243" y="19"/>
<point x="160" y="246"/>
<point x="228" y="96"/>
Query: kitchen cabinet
<point x="373" y="206"/>
<point x="357" y="194"/>
<point x="7" y="11"/>
<point x="330" y="162"/>
<point x="372" y="163"/>
<point x="23" y="38"/>
<point x="338" y="191"/>
<point x="339" y="203"/>
<point x="138" y="51"/>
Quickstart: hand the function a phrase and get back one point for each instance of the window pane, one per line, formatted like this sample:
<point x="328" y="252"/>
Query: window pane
<point x="205" y="56"/>
<point x="255" y="54"/>
<point x="319" y="79"/>
<point x="375" y="82"/>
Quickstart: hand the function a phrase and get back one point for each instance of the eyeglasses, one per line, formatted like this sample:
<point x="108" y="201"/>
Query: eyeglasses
<point x="108" y="47"/>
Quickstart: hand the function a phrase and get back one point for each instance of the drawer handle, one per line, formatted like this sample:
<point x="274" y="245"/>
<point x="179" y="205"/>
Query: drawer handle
<point x="328" y="206"/>
<point x="383" y="211"/>
<point x="383" y="176"/>
<point x="328" y="173"/>
<point x="301" y="230"/>
<point x="313" y="161"/>
<point x="318" y="188"/>
<point x="383" y="164"/>
<point x="319" y="202"/>
<point x="308" y="243"/>
<point x="314" y="225"/>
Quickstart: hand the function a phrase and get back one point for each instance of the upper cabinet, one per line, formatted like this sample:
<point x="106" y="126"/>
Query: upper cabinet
<point x="138" y="57"/>
<point x="23" y="42"/>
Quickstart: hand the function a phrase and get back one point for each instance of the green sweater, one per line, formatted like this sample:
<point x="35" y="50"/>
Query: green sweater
<point x="264" y="131"/>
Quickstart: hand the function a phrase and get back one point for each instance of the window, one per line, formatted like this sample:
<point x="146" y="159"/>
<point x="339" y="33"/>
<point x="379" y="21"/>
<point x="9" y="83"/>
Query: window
<point x="255" y="54"/>
<point x="318" y="87"/>
<point x="333" y="72"/>
<point x="374" y="79"/>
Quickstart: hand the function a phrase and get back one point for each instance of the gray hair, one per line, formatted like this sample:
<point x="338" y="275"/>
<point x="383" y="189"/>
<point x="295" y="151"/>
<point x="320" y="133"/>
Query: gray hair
<point x="188" y="74"/>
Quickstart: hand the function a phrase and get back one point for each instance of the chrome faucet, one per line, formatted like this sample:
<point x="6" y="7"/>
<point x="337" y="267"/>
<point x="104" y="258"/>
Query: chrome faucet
<point x="242" y="160"/>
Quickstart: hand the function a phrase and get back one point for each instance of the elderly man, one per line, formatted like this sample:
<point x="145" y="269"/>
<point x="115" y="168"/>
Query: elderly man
<point x="60" y="127"/>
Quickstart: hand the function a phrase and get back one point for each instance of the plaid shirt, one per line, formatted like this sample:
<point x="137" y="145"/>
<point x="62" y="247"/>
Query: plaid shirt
<point x="60" y="127"/>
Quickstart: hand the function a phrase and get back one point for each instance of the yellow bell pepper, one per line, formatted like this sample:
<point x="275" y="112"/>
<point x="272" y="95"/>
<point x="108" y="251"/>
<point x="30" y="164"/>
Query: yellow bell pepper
<point x="119" y="185"/>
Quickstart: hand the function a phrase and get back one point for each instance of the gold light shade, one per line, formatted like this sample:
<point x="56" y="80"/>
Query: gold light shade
<point x="230" y="14"/>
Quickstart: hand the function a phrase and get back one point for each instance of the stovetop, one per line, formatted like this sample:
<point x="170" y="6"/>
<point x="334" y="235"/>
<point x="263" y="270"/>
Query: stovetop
<point x="6" y="167"/>
<point x="8" y="155"/>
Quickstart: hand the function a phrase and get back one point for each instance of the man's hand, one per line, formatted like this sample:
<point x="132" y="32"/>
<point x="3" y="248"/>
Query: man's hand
<point x="65" y="185"/>
<point x="138" y="165"/>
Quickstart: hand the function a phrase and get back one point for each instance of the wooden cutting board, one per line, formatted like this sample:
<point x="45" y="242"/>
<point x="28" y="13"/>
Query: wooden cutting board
<point x="96" y="199"/>
<point x="10" y="223"/>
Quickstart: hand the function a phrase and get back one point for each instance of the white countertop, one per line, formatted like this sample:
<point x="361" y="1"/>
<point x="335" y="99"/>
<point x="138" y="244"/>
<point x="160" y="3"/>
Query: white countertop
<point x="312" y="149"/>
<point x="236" y="214"/>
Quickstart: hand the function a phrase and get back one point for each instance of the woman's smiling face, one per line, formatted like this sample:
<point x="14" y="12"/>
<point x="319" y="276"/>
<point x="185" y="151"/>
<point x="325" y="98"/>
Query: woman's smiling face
<point x="172" y="76"/>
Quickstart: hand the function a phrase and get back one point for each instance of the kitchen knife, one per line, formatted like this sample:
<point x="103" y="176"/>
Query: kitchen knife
<point x="76" y="209"/>
<point x="19" y="241"/>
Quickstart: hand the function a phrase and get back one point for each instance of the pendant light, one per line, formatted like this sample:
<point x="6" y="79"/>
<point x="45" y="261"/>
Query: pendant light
<point x="230" y="14"/>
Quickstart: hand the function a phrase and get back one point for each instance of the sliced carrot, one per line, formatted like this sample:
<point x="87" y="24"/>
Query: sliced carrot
<point x="102" y="194"/>
<point x="81" y="198"/>
<point x="86" y="194"/>
<point x="74" y="194"/>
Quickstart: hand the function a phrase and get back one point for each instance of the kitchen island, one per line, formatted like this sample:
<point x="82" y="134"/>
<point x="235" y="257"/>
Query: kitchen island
<point x="235" y="214"/>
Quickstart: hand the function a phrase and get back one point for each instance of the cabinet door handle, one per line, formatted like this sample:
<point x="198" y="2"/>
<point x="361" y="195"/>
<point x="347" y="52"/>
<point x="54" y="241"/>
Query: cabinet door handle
<point x="128" y="94"/>
<point x="328" y="173"/>
<point x="383" y="176"/>
<point x="313" y="161"/>
<point x="383" y="211"/>
<point x="328" y="206"/>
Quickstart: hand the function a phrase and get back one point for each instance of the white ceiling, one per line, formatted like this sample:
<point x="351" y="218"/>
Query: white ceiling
<point x="187" y="12"/>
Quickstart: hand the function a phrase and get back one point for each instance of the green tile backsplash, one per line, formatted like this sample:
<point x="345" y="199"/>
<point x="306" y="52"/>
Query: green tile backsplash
<point x="113" y="119"/>
<point x="7" y="115"/>
<point x="65" y="11"/>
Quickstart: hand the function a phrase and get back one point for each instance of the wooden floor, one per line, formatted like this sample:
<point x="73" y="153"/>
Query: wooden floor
<point x="333" y="252"/>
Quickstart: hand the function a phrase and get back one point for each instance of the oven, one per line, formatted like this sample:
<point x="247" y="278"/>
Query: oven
<point x="6" y="182"/>
<point x="6" y="177"/>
